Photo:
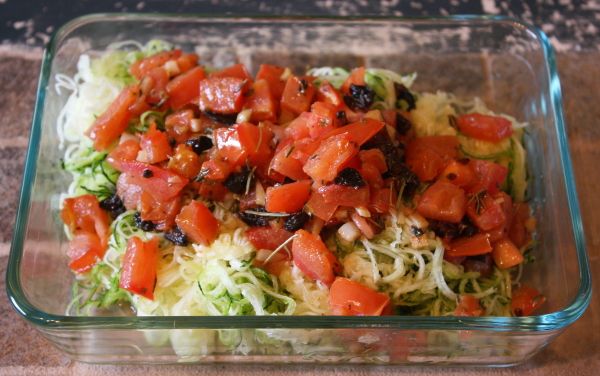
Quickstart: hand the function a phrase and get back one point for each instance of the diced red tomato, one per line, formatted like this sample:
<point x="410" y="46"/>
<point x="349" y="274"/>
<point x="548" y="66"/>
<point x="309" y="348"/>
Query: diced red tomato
<point x="162" y="184"/>
<point x="468" y="306"/>
<point x="185" y="88"/>
<point x="235" y="71"/>
<point x="154" y="85"/>
<point x="185" y="162"/>
<point x="216" y="169"/>
<point x="223" y="95"/>
<point x="374" y="157"/>
<point x="178" y="125"/>
<point x="297" y="94"/>
<point x="343" y="195"/>
<point x="255" y="141"/>
<point x="327" y="93"/>
<point x="161" y="213"/>
<point x="272" y="74"/>
<point x="459" y="173"/>
<point x="526" y="300"/>
<point x="486" y="212"/>
<point x="154" y="146"/>
<point x="313" y="257"/>
<point x="428" y="156"/>
<point x="83" y="214"/>
<point x="477" y="244"/>
<point x="284" y="164"/>
<point x="85" y="250"/>
<point x="382" y="200"/>
<point x="125" y="151"/>
<point x="109" y="126"/>
<point x="299" y="127"/>
<point x="261" y="102"/>
<point x="329" y="159"/>
<point x="490" y="176"/>
<point x="186" y="62"/>
<point x="319" y="207"/>
<point x="506" y="254"/>
<point x="212" y="190"/>
<point x="443" y="201"/>
<point x="324" y="119"/>
<point x="288" y="198"/>
<point x="371" y="175"/>
<point x="517" y="232"/>
<point x="228" y="144"/>
<point x="485" y="127"/>
<point x="142" y="67"/>
<point x="356" y="77"/>
<point x="267" y="237"/>
<point x="350" y="298"/>
<point x="198" y="223"/>
<point x="358" y="132"/>
<point x="138" y="273"/>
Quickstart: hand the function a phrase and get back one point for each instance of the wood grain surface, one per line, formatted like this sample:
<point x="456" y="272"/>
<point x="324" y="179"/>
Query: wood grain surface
<point x="576" y="352"/>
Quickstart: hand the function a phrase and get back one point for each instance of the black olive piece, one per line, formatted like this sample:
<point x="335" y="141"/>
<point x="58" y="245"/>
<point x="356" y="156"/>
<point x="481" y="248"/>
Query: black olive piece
<point x="361" y="97"/>
<point x="287" y="180"/>
<point x="254" y="220"/>
<point x="177" y="237"/>
<point x="453" y="230"/>
<point x="147" y="173"/>
<point x="483" y="264"/>
<point x="403" y="125"/>
<point x="407" y="178"/>
<point x="296" y="221"/>
<point x="416" y="231"/>
<point x="349" y="177"/>
<point x="200" y="144"/>
<point x="114" y="205"/>
<point x="143" y="225"/>
<point x="172" y="142"/>
<point x="402" y="93"/>
<point x="236" y="182"/>
<point x="341" y="116"/>
<point x="228" y="119"/>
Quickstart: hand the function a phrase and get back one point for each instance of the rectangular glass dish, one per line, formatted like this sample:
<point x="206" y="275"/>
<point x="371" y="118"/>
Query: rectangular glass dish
<point x="508" y="64"/>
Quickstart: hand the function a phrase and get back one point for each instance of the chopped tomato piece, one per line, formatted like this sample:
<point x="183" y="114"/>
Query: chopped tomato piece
<point x="223" y="95"/>
<point x="477" y="244"/>
<point x="162" y="184"/>
<point x="83" y="213"/>
<point x="267" y="237"/>
<point x="288" y="198"/>
<point x="212" y="190"/>
<point x="371" y="175"/>
<point x="227" y="141"/>
<point x="109" y="126"/>
<point x="459" y="173"/>
<point x="185" y="162"/>
<point x="327" y="93"/>
<point x="235" y="71"/>
<point x="350" y="298"/>
<point x="313" y="257"/>
<point x="272" y="74"/>
<point x="142" y="67"/>
<point x="319" y="207"/>
<point x="185" y="88"/>
<point x="490" y="176"/>
<point x="299" y="127"/>
<point x="216" y="169"/>
<point x="125" y="151"/>
<point x="297" y="94"/>
<point x="154" y="146"/>
<point x="358" y="132"/>
<point x="186" y="62"/>
<point x="343" y="195"/>
<point x="324" y="119"/>
<point x="374" y="157"/>
<point x="428" y="156"/>
<point x="356" y="77"/>
<point x="506" y="254"/>
<point x="198" y="223"/>
<point x="443" y="201"/>
<point x="526" y="300"/>
<point x="161" y="213"/>
<point x="261" y="102"/>
<point x="85" y="250"/>
<point x="154" y="85"/>
<point x="382" y="200"/>
<point x="179" y="125"/>
<point x="329" y="159"/>
<point x="284" y="164"/>
<point x="138" y="273"/>
<point x="255" y="141"/>
<point x="486" y="212"/>
<point x="485" y="127"/>
<point x="517" y="232"/>
<point x="468" y="305"/>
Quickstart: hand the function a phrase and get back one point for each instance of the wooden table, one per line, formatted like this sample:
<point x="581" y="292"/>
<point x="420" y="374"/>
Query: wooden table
<point x="575" y="352"/>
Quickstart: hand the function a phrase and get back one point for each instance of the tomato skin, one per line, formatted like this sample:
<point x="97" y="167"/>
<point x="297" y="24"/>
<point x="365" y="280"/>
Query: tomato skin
<point x="142" y="67"/>
<point x="489" y="176"/>
<point x="460" y="174"/>
<point x="506" y="254"/>
<point x="468" y="306"/>
<point x="223" y="95"/>
<point x="526" y="300"/>
<point x="382" y="200"/>
<point x="350" y="298"/>
<point x="198" y="223"/>
<point x="477" y="244"/>
<point x="342" y="195"/>
<point x="288" y="198"/>
<point x="261" y="102"/>
<point x="212" y="190"/>
<point x="216" y="169"/>
<point x="324" y="119"/>
<point x="285" y="164"/>
<point x="185" y="88"/>
<point x="358" y="132"/>
<point x="428" y="156"/>
<point x="163" y="184"/>
<point x="235" y="71"/>
<point x="517" y="232"/>
<point x="374" y="157"/>
<point x="83" y="213"/>
<point x="186" y="62"/>
<point x="486" y="213"/>
<point x="84" y="251"/>
<point x="327" y="93"/>
<point x="267" y="237"/>
<point x="443" y="201"/>
<point x="178" y="125"/>
<point x="255" y="142"/>
<point x="138" y="273"/>
<point x="154" y="146"/>
<point x="272" y="74"/>
<point x="485" y="127"/>
<point x="161" y="213"/>
<point x="125" y="151"/>
<point x="154" y="85"/>
<point x="297" y="94"/>
<point x="329" y="159"/>
<point x="319" y="207"/>
<point x="313" y="258"/>
<point x="356" y="77"/>
<point x="109" y="126"/>
<point x="185" y="162"/>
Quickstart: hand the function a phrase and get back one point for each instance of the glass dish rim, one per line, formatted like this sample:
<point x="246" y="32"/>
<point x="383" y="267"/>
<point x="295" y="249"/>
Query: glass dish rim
<point x="547" y="322"/>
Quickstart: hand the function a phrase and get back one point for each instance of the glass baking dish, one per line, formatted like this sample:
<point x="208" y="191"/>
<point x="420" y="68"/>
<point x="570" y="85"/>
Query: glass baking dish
<point x="505" y="62"/>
